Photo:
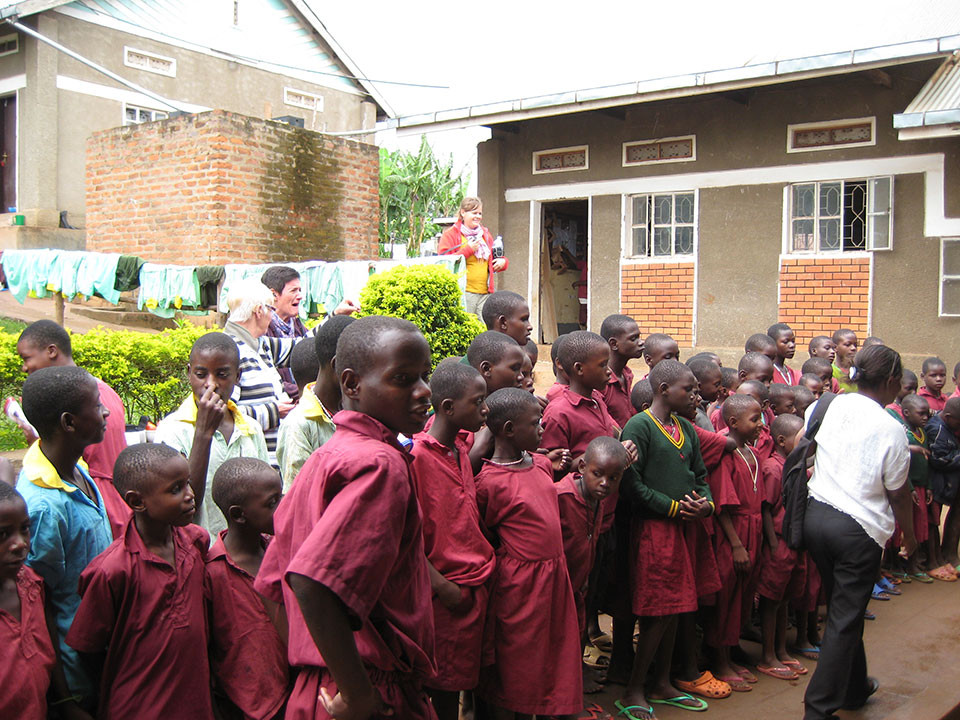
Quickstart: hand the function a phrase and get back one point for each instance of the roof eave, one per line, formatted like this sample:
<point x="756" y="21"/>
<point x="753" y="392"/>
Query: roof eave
<point x="29" y="7"/>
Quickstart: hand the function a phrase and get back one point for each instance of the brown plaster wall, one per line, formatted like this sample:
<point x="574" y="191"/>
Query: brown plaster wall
<point x="604" y="261"/>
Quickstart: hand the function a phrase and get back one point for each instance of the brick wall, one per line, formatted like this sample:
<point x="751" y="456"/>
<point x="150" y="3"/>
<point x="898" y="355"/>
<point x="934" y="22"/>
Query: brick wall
<point x="820" y="295"/>
<point x="218" y="188"/>
<point x="660" y="298"/>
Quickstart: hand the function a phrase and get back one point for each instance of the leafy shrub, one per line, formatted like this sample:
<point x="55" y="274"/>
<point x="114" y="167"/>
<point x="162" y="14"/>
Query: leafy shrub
<point x="429" y="297"/>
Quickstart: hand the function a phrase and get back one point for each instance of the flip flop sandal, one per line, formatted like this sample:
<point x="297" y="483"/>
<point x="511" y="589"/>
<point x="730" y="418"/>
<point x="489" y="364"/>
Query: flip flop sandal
<point x="780" y="673"/>
<point x="594" y="712"/>
<point x="867" y="615"/>
<point x="797" y="666"/>
<point x="810" y="653"/>
<point x="879" y="594"/>
<point x="747" y="675"/>
<point x="922" y="577"/>
<point x="705" y="686"/>
<point x="736" y="683"/>
<point x="627" y="711"/>
<point x="888" y="587"/>
<point x="680" y="702"/>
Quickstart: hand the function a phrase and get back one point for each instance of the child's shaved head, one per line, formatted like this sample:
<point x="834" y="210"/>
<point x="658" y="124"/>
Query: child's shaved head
<point x="641" y="396"/>
<point x="606" y="448"/>
<point x="236" y="479"/>
<point x="760" y="343"/>
<point x="736" y="405"/>
<point x="137" y="466"/>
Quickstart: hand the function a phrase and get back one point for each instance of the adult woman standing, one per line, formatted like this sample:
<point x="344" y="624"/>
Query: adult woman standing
<point x="857" y="489"/>
<point x="469" y="238"/>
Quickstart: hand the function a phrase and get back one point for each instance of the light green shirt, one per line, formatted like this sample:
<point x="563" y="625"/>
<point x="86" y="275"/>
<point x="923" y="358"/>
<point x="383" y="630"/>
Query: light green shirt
<point x="246" y="440"/>
<point x="303" y="430"/>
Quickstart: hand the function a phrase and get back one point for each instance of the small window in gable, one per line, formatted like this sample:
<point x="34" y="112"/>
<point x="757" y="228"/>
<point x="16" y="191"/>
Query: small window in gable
<point x="561" y="160"/>
<point x="9" y="44"/>
<point x="133" y="115"/>
<point x="142" y="60"/>
<point x="646" y="152"/>
<point x="301" y="99"/>
<point x="831" y="135"/>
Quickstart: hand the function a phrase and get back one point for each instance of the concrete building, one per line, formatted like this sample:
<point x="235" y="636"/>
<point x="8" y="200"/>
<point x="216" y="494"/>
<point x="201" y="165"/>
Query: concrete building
<point x="822" y="191"/>
<point x="260" y="58"/>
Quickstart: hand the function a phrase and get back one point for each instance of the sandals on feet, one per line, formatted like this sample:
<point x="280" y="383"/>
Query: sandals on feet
<point x="879" y="594"/>
<point x="922" y="577"/>
<point x="627" y="711"/>
<point x="736" y="683"/>
<point x="682" y="701"/>
<point x="797" y="666"/>
<point x="705" y="686"/>
<point x="810" y="653"/>
<point x="745" y="674"/>
<point x="941" y="573"/>
<point x="594" y="712"/>
<point x="780" y="673"/>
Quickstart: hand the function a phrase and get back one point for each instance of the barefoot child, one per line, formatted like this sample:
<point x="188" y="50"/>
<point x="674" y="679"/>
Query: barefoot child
<point x="738" y="492"/>
<point x="934" y="376"/>
<point x="208" y="427"/>
<point x="461" y="559"/>
<point x="535" y="632"/>
<point x="310" y="424"/>
<point x="66" y="509"/>
<point x="27" y="657"/>
<point x="623" y="335"/>
<point x="508" y="313"/>
<point x="667" y="487"/>
<point x="846" y="344"/>
<point x="580" y="495"/>
<point x="247" y="655"/>
<point x="782" y="334"/>
<point x="141" y="625"/>
<point x="781" y="569"/>
<point x="357" y="590"/>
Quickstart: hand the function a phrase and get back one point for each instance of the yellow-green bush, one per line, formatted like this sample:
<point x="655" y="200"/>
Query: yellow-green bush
<point x="429" y="297"/>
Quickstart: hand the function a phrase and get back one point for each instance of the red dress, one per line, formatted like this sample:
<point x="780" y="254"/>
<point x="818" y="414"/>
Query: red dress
<point x="782" y="573"/>
<point x="739" y="492"/>
<point x="101" y="457"/>
<point x="533" y="615"/>
<point x="580" y="525"/>
<point x="455" y="545"/>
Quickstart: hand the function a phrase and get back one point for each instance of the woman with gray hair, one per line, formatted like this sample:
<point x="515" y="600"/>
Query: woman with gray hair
<point x="261" y="393"/>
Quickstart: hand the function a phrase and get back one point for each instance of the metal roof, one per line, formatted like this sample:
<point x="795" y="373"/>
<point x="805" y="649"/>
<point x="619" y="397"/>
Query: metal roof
<point x="938" y="103"/>
<point x="712" y="81"/>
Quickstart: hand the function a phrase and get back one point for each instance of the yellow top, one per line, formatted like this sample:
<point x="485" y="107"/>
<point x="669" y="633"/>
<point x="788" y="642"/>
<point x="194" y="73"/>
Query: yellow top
<point x="187" y="412"/>
<point x="476" y="273"/>
<point x="41" y="472"/>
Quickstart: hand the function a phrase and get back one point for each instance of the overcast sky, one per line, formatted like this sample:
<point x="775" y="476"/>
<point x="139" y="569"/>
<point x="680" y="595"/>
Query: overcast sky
<point x="506" y="49"/>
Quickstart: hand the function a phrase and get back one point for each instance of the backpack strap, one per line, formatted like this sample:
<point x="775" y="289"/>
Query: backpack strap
<point x="817" y="418"/>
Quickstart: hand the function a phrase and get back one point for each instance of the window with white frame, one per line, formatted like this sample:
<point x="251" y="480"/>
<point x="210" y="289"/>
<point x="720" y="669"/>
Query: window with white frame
<point x="664" y="150"/>
<point x="143" y="60"/>
<point x="561" y="159"/>
<point x="133" y="115"/>
<point x="950" y="277"/>
<point x="662" y="225"/>
<point x="9" y="44"/>
<point x="841" y="216"/>
<point x="301" y="99"/>
<point x="858" y="132"/>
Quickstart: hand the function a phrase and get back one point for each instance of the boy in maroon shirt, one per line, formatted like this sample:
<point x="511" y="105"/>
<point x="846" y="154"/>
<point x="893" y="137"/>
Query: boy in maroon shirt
<point x="142" y="621"/>
<point x="623" y="335"/>
<point x="247" y="654"/>
<point x="508" y="313"/>
<point x="934" y="376"/>
<point x="348" y="558"/>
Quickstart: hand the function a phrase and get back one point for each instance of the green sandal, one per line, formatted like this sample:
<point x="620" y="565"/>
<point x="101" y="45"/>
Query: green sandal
<point x="678" y="702"/>
<point x="922" y="577"/>
<point x="626" y="710"/>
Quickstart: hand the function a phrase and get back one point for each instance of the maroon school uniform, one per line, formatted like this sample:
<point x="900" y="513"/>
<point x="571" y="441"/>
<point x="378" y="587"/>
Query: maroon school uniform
<point x="936" y="402"/>
<point x="739" y="492"/>
<point x="150" y="619"/>
<point x="580" y="526"/>
<point x="247" y="655"/>
<point x="782" y="572"/>
<point x="786" y="375"/>
<point x="554" y="390"/>
<point x="27" y="657"/>
<point x="699" y="533"/>
<point x="618" y="399"/>
<point x="101" y="457"/>
<point x="533" y="615"/>
<point x="455" y="545"/>
<point x="352" y="524"/>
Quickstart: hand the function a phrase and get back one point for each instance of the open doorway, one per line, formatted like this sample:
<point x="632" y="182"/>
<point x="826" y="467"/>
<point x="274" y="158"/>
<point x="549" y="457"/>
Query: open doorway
<point x="563" y="268"/>
<point x="8" y="154"/>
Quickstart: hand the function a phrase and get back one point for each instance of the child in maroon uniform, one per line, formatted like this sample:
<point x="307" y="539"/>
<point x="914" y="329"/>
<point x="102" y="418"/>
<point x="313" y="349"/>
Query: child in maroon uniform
<point x="934" y="376"/>
<point x="580" y="495"/>
<point x="738" y="493"/>
<point x="533" y="615"/>
<point x="781" y="399"/>
<point x="142" y="619"/>
<point x="763" y="344"/>
<point x="347" y="559"/>
<point x="623" y="335"/>
<point x="27" y="657"/>
<point x="461" y="559"/>
<point x="247" y="654"/>
<point x="782" y="334"/>
<point x="781" y="569"/>
<point x="659" y="347"/>
<point x="559" y="375"/>
<point x="508" y="313"/>
<point x="529" y="363"/>
<point x="813" y="383"/>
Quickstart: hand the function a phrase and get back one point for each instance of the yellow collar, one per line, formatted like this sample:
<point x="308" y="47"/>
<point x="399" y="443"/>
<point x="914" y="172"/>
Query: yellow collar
<point x="187" y="412"/>
<point x="41" y="472"/>
<point x="312" y="408"/>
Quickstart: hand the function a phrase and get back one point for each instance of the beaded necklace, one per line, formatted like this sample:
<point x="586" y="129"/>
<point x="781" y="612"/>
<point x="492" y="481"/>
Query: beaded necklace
<point x="756" y="466"/>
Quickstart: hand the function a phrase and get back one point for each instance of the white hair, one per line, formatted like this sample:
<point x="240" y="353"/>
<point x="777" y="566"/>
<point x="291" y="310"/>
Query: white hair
<point x="246" y="297"/>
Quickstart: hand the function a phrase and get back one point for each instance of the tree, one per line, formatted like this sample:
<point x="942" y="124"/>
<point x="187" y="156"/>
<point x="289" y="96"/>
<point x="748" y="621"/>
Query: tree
<point x="414" y="189"/>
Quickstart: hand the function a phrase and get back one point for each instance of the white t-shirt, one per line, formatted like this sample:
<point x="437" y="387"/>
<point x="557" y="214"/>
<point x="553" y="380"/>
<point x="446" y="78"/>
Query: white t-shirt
<point x="861" y="453"/>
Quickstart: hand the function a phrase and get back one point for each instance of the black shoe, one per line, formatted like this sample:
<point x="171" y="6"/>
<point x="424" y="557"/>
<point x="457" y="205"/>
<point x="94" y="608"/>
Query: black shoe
<point x="872" y="686"/>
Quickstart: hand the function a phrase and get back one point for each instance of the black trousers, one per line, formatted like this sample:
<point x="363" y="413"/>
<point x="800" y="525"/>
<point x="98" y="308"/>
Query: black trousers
<point x="848" y="560"/>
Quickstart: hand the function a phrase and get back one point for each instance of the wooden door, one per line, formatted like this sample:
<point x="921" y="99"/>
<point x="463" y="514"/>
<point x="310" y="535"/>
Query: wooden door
<point x="8" y="154"/>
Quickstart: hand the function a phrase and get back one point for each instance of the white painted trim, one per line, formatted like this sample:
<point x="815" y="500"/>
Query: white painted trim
<point x="696" y="267"/>
<point x="940" y="312"/>
<point x="85" y="87"/>
<point x="624" y="234"/>
<point x="831" y="124"/>
<point x="590" y="262"/>
<point x="931" y="165"/>
<point x="12" y="84"/>
<point x="317" y="99"/>
<point x="785" y="223"/>
<point x="533" y="268"/>
<point x="929" y="132"/>
<point x="554" y="151"/>
<point x="631" y="143"/>
<point x="126" y="61"/>
<point x="659" y="260"/>
<point x="123" y="114"/>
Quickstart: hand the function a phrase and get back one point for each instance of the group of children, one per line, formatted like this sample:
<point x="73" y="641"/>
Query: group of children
<point x="434" y="541"/>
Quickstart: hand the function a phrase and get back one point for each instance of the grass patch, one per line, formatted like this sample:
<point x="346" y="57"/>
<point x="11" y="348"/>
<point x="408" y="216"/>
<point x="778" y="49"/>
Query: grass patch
<point x="9" y="325"/>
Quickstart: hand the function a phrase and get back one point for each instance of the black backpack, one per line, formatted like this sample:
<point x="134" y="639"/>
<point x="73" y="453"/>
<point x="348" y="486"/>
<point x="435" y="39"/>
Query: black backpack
<point x="795" y="477"/>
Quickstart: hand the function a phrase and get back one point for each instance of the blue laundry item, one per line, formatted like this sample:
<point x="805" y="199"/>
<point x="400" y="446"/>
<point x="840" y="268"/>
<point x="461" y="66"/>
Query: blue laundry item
<point x="232" y="274"/>
<point x="63" y="273"/>
<point x="164" y="289"/>
<point x="324" y="286"/>
<point x="98" y="274"/>
<point x="26" y="271"/>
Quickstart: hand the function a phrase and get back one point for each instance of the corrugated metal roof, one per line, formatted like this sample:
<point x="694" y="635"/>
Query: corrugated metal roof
<point x="938" y="103"/>
<point x="677" y="86"/>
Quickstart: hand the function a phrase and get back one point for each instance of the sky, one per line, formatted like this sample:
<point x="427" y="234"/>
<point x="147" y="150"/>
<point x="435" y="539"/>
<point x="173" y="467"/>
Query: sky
<point x="507" y="49"/>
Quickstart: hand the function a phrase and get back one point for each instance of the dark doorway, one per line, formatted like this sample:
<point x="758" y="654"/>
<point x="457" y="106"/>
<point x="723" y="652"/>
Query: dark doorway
<point x="563" y="268"/>
<point x="8" y="154"/>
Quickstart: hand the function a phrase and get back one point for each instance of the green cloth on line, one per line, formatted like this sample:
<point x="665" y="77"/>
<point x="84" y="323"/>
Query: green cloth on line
<point x="128" y="273"/>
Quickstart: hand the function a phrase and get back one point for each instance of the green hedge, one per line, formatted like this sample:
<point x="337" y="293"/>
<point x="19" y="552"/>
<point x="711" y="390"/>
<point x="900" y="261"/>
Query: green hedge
<point x="428" y="296"/>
